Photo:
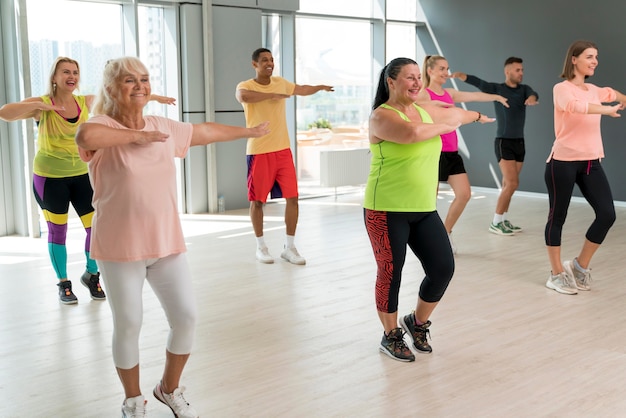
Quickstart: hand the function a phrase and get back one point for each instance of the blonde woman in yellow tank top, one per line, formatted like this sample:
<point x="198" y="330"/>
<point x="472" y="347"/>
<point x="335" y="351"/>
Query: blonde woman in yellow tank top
<point x="59" y="175"/>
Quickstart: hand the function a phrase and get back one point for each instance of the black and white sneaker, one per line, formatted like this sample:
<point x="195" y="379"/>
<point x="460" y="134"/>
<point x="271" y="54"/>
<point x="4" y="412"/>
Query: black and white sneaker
<point x="92" y="282"/>
<point x="66" y="296"/>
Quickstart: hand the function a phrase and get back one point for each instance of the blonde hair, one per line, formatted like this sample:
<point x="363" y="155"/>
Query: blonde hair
<point x="429" y="63"/>
<point x="51" y="85"/>
<point x="113" y="71"/>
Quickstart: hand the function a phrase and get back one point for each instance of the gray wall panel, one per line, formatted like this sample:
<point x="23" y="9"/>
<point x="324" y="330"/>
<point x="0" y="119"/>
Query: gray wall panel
<point x="231" y="165"/>
<point x="236" y="32"/>
<point x="476" y="37"/>
<point x="192" y="60"/>
<point x="196" y="173"/>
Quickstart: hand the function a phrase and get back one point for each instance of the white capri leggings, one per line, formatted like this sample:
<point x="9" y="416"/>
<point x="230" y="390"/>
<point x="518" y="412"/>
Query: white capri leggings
<point x="170" y="279"/>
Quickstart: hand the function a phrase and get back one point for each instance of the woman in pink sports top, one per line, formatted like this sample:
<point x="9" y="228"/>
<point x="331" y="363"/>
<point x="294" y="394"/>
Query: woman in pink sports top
<point x="451" y="168"/>
<point x="575" y="159"/>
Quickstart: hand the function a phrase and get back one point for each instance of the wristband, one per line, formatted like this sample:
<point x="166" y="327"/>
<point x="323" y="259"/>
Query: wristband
<point x="479" y="116"/>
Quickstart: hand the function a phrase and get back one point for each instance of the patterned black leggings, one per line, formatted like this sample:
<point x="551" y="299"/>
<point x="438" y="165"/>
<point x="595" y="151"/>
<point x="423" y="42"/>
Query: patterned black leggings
<point x="424" y="233"/>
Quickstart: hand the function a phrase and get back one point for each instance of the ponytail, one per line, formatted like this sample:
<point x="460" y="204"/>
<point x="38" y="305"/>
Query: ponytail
<point x="390" y="70"/>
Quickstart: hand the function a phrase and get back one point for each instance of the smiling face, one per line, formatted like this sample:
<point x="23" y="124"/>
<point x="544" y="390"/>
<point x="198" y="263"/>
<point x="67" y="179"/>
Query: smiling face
<point x="439" y="72"/>
<point x="585" y="64"/>
<point x="264" y="67"/>
<point x="407" y="84"/>
<point x="66" y="76"/>
<point x="133" y="90"/>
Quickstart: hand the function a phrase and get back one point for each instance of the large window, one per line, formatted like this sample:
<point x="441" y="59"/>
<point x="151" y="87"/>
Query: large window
<point x="356" y="8"/>
<point x="90" y="33"/>
<point x="338" y="119"/>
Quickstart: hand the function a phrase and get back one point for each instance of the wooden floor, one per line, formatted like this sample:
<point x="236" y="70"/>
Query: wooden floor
<point x="302" y="341"/>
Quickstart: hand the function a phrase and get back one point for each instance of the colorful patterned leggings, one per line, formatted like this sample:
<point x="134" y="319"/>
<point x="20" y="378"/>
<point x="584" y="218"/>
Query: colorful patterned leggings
<point x="54" y="196"/>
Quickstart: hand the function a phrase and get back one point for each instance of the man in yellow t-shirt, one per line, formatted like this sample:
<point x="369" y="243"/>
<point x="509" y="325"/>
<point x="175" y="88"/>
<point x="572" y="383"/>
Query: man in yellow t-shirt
<point x="270" y="162"/>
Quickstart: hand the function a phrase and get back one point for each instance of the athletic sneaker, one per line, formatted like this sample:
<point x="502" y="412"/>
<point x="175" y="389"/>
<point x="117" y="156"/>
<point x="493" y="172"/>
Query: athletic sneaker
<point x="582" y="279"/>
<point x="92" y="282"/>
<point x="175" y="401"/>
<point x="512" y="227"/>
<point x="419" y="333"/>
<point x="394" y="346"/>
<point x="66" y="295"/>
<point x="263" y="255"/>
<point x="500" y="229"/>
<point x="291" y="254"/>
<point x="134" y="407"/>
<point x="562" y="283"/>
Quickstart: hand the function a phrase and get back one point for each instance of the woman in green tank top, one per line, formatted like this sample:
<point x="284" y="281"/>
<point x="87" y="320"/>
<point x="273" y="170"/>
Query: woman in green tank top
<point x="400" y="201"/>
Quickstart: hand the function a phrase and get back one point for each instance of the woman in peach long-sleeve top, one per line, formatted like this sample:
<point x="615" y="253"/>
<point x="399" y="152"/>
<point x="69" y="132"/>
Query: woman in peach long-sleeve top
<point x="575" y="159"/>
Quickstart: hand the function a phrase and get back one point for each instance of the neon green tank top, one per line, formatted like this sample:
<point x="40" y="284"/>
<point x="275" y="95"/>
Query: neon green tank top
<point x="57" y="153"/>
<point x="404" y="177"/>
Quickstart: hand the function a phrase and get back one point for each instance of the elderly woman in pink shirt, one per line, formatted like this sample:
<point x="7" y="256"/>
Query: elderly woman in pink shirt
<point x="575" y="159"/>
<point x="136" y="232"/>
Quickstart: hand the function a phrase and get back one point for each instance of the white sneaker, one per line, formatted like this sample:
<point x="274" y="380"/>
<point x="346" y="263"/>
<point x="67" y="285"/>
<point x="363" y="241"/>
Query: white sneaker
<point x="291" y="254"/>
<point x="263" y="255"/>
<point x="562" y="283"/>
<point x="583" y="279"/>
<point x="176" y="402"/>
<point x="134" y="407"/>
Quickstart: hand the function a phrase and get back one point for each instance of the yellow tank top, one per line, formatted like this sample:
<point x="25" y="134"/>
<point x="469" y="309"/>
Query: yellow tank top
<point x="403" y="177"/>
<point x="57" y="153"/>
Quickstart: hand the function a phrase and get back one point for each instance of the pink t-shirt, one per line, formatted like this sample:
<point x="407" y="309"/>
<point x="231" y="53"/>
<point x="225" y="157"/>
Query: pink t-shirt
<point x="578" y="136"/>
<point x="136" y="215"/>
<point x="449" y="141"/>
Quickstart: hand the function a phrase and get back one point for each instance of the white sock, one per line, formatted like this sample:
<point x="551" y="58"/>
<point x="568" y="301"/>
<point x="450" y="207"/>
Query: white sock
<point x="260" y="242"/>
<point x="289" y="239"/>
<point x="497" y="219"/>
<point x="504" y="217"/>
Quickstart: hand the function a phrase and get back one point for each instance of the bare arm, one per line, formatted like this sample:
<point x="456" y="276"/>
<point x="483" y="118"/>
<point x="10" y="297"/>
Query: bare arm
<point x="163" y="99"/>
<point x="27" y="108"/>
<point x="388" y="126"/>
<point x="608" y="110"/>
<point x="249" y="96"/>
<point x="306" y="90"/>
<point x="457" y="74"/>
<point x="209" y="132"/>
<point x="95" y="136"/>
<point x="456" y="115"/>
<point x="476" y="96"/>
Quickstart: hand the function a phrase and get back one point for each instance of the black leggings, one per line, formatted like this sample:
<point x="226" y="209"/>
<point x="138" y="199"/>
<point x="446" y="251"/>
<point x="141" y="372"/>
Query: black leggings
<point x="389" y="233"/>
<point x="560" y="178"/>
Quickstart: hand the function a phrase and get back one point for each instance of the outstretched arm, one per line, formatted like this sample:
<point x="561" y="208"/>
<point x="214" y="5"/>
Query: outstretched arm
<point x="95" y="136"/>
<point x="476" y="96"/>
<point x="27" y="108"/>
<point x="163" y="99"/>
<point x="249" y="96"/>
<point x="306" y="90"/>
<point x="209" y="132"/>
<point x="386" y="125"/>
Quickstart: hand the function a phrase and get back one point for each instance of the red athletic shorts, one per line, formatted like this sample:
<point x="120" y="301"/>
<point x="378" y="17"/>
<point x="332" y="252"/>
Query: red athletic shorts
<point x="272" y="172"/>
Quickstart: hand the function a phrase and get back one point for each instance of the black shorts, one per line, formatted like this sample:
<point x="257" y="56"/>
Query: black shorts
<point x="450" y="163"/>
<point x="510" y="149"/>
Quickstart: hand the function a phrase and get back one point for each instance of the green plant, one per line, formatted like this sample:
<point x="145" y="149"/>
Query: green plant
<point x="320" y="123"/>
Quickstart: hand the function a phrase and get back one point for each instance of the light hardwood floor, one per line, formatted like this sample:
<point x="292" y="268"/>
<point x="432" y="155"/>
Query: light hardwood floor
<point x="302" y="341"/>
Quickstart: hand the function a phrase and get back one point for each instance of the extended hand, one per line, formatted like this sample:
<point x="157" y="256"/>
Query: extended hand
<point x="164" y="99"/>
<point x="486" y="119"/>
<point x="148" y="137"/>
<point x="260" y="130"/>
<point x="531" y="101"/>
